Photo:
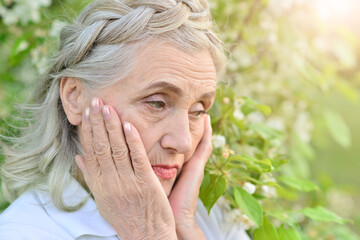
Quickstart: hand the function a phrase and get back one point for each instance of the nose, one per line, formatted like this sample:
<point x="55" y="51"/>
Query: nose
<point x="177" y="136"/>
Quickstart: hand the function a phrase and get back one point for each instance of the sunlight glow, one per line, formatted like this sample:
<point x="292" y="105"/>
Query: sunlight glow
<point x="334" y="9"/>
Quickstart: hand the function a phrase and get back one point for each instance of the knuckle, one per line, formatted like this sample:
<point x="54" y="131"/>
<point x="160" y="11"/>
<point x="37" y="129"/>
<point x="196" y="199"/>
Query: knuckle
<point x="113" y="128"/>
<point x="97" y="125"/>
<point x="136" y="154"/>
<point x="135" y="142"/>
<point x="101" y="148"/>
<point x="139" y="161"/>
<point x="88" y="151"/>
<point x="119" y="152"/>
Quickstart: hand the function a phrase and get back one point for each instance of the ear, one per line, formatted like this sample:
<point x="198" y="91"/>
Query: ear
<point x="72" y="94"/>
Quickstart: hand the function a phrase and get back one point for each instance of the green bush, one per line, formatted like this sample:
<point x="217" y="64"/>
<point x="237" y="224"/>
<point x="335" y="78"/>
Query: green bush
<point x="267" y="116"/>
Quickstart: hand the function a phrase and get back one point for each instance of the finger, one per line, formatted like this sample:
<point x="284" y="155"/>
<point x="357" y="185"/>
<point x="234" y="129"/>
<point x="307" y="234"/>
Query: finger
<point x="204" y="149"/>
<point x="101" y="142"/>
<point x="139" y="159"/>
<point x="192" y="172"/>
<point x="118" y="145"/>
<point x="91" y="162"/>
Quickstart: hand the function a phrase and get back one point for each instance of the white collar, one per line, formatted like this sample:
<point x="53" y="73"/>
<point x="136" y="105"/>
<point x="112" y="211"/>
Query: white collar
<point x="85" y="221"/>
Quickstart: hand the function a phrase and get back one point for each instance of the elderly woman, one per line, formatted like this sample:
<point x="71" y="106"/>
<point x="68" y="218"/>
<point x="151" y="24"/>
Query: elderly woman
<point x="119" y="134"/>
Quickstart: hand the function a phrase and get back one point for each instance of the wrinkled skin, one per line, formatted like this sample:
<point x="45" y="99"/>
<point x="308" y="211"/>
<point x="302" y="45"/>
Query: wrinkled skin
<point x="167" y="127"/>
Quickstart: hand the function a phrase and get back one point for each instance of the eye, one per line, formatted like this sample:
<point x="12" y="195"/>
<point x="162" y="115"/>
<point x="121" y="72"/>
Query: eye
<point x="197" y="114"/>
<point x="157" y="104"/>
<point x="198" y="110"/>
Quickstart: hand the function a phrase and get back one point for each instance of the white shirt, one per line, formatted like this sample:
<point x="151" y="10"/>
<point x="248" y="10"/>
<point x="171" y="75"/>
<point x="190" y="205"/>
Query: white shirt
<point x="33" y="217"/>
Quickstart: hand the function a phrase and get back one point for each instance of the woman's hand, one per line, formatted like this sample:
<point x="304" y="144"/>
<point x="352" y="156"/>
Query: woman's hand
<point x="117" y="171"/>
<point x="184" y="196"/>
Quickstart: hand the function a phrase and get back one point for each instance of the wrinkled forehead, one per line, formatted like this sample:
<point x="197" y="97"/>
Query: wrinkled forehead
<point x="163" y="62"/>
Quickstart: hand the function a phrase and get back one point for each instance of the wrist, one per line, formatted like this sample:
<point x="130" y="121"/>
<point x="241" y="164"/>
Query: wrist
<point x="189" y="231"/>
<point x="149" y="233"/>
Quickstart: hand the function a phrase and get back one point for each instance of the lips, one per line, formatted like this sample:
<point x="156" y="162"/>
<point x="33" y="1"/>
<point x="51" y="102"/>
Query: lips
<point x="165" y="172"/>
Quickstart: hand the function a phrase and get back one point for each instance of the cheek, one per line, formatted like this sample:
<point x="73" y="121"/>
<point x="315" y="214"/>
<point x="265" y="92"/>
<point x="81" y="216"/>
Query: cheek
<point x="143" y="124"/>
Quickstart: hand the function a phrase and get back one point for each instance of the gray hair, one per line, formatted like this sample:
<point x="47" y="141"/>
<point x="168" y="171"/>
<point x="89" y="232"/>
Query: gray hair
<point x="99" y="48"/>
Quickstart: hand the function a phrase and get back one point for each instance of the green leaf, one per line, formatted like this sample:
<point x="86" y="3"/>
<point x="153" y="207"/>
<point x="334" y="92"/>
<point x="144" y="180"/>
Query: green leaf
<point x="287" y="193"/>
<point x="266" y="231"/>
<point x="251" y="105"/>
<point x="265" y="131"/>
<point x="265" y="164"/>
<point x="338" y="128"/>
<point x="299" y="184"/>
<point x="287" y="234"/>
<point x="285" y="217"/>
<point x="266" y="110"/>
<point x="344" y="233"/>
<point x="212" y="187"/>
<point x="249" y="205"/>
<point x="321" y="214"/>
<point x="304" y="147"/>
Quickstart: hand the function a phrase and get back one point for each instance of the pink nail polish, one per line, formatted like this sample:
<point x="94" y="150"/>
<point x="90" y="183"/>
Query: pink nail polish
<point x="95" y="105"/>
<point x="127" y="126"/>
<point x="106" y="112"/>
<point x="87" y="114"/>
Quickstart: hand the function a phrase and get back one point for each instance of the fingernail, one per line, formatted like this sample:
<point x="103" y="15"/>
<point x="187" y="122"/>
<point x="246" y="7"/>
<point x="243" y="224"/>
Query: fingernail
<point x="106" y="112"/>
<point x="95" y="105"/>
<point x="127" y="126"/>
<point x="87" y="114"/>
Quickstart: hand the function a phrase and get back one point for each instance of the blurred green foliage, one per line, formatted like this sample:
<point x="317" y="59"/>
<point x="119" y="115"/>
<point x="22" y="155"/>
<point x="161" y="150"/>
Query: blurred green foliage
<point x="271" y="118"/>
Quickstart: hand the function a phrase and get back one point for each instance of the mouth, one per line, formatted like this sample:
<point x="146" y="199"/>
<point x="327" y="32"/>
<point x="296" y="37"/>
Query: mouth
<point x="165" y="172"/>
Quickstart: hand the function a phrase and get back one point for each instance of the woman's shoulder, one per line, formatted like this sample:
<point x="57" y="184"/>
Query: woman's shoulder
<point x="34" y="216"/>
<point x="24" y="231"/>
<point x="23" y="209"/>
<point x="26" y="218"/>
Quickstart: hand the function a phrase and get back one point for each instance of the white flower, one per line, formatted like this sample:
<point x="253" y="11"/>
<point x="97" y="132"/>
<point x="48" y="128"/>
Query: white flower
<point x="303" y="126"/>
<point x="268" y="191"/>
<point x="246" y="222"/>
<point x="226" y="100"/>
<point x="24" y="11"/>
<point x="255" y="117"/>
<point x="239" y="103"/>
<point x="8" y="17"/>
<point x="277" y="123"/>
<point x="238" y="114"/>
<point x="249" y="187"/>
<point x="218" y="141"/>
<point x="22" y="46"/>
<point x="231" y="217"/>
<point x="56" y="28"/>
<point x="39" y="60"/>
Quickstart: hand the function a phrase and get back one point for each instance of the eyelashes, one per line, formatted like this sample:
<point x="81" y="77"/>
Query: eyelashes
<point x="160" y="106"/>
<point x="156" y="104"/>
<point x="199" y="113"/>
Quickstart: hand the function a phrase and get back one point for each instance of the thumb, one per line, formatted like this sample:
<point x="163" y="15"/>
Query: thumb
<point x="137" y="151"/>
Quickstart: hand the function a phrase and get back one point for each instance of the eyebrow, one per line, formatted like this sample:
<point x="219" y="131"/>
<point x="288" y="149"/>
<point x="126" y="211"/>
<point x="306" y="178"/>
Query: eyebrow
<point x="175" y="89"/>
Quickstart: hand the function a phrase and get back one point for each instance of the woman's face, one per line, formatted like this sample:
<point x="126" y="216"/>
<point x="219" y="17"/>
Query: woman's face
<point x="165" y="98"/>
